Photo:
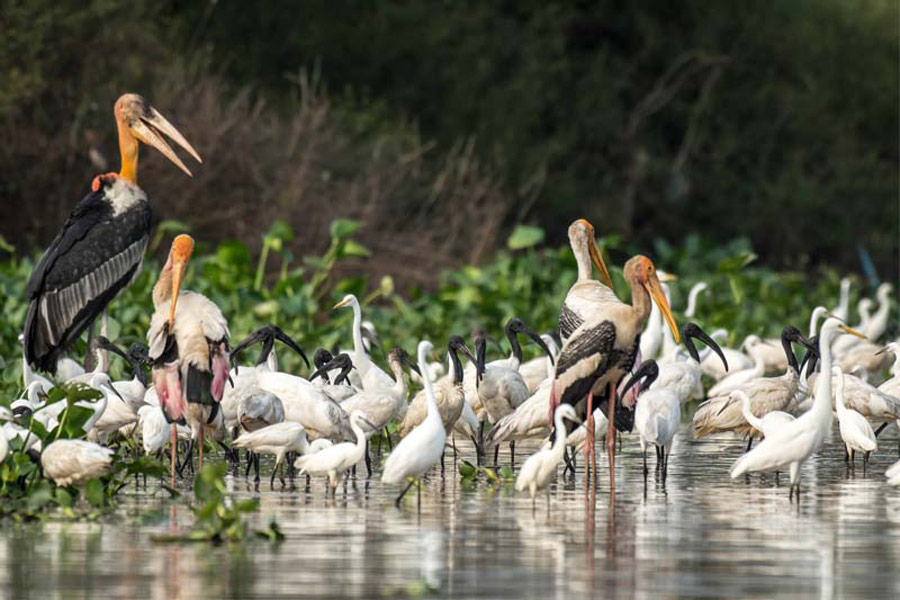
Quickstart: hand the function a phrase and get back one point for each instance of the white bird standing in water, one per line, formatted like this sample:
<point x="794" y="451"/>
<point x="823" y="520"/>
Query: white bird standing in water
<point x="335" y="460"/>
<point x="277" y="439"/>
<point x="422" y="448"/>
<point x="856" y="431"/>
<point x="795" y="442"/>
<point x="540" y="468"/>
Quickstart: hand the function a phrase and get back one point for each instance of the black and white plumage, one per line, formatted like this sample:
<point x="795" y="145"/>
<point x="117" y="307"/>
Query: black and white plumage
<point x="96" y="255"/>
<point x="101" y="245"/>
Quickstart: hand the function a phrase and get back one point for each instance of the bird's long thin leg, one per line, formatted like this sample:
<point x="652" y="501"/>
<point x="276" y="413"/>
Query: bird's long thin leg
<point x="272" y="480"/>
<point x="442" y="463"/>
<point x="403" y="493"/>
<point x="104" y="331"/>
<point x="249" y="465"/>
<point x="611" y="435"/>
<point x="368" y="461"/>
<point x="646" y="470"/>
<point x="749" y="442"/>
<point x="173" y="451"/>
<point x="512" y="455"/>
<point x="589" y="443"/>
<point x="256" y="468"/>
<point x="881" y="428"/>
<point x="200" y="461"/>
<point x="496" y="455"/>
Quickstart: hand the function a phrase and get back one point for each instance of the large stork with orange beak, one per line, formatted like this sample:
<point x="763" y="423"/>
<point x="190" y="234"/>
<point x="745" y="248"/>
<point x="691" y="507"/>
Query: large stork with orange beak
<point x="587" y="296"/>
<point x="101" y="246"/>
<point x="188" y="341"/>
<point x="602" y="349"/>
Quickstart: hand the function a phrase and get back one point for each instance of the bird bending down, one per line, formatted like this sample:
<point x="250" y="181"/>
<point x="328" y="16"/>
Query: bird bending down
<point x="75" y="462"/>
<point x="540" y="468"/>
<point x="422" y="448"/>
<point x="277" y="439"/>
<point x="791" y="444"/>
<point x="188" y="339"/>
<point x="101" y="246"/>
<point x="602" y="350"/>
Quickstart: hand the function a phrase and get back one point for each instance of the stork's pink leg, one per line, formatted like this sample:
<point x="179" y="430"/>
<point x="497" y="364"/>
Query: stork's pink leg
<point x="200" y="466"/>
<point x="611" y="438"/>
<point x="173" y="449"/>
<point x="589" y="472"/>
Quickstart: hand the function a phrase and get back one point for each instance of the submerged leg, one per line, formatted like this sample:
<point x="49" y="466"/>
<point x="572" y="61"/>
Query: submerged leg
<point x="611" y="441"/>
<point x="589" y="443"/>
<point x="403" y="493"/>
<point x="173" y="451"/>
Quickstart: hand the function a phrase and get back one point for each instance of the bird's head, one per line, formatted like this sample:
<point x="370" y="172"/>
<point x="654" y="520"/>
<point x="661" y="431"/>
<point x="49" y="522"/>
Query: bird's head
<point x="581" y="235"/>
<point x="179" y="256"/>
<point x="641" y="269"/>
<point x="138" y="121"/>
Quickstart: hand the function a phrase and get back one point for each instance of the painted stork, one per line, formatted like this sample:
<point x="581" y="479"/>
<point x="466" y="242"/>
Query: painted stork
<point x="603" y="349"/>
<point x="188" y="339"/>
<point x="101" y="246"/>
<point x="587" y="296"/>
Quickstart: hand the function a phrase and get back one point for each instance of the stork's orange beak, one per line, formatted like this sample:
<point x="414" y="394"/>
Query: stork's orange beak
<point x="182" y="248"/>
<point x="654" y="288"/>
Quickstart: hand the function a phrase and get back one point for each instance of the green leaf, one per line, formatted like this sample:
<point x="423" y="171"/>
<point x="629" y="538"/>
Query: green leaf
<point x="467" y="470"/>
<point x="525" y="236"/>
<point x="735" y="263"/>
<point x="342" y="228"/>
<point x="280" y="230"/>
<point x="94" y="492"/>
<point x="352" y="248"/>
<point x="39" y="495"/>
<point x="232" y="253"/>
<point x="63" y="497"/>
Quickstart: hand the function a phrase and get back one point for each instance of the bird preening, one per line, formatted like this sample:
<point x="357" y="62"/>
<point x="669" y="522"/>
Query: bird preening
<point x="618" y="364"/>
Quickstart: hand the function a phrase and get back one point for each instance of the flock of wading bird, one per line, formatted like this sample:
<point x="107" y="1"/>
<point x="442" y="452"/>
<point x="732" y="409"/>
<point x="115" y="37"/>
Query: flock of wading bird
<point x="618" y="367"/>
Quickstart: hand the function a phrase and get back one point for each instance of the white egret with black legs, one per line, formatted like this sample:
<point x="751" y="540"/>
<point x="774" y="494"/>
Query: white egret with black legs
<point x="792" y="444"/>
<point x="422" y="448"/>
<point x="540" y="469"/>
<point x="855" y="430"/>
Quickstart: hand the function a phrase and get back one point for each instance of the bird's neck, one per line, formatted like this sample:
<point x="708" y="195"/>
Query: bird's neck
<point x="128" y="148"/>
<point x="559" y="443"/>
<point x="456" y="370"/>
<point x="162" y="291"/>
<point x="399" y="388"/>
<point x="583" y="260"/>
<point x="358" y="348"/>
<point x="641" y="305"/>
<point x="98" y="411"/>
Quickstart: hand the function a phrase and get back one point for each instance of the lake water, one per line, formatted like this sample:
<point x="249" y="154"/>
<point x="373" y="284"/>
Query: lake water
<point x="699" y="536"/>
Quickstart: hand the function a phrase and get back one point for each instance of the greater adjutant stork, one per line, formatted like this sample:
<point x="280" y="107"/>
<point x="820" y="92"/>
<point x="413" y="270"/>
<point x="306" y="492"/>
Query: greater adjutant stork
<point x="603" y="349"/>
<point x="188" y="340"/>
<point x="101" y="246"/>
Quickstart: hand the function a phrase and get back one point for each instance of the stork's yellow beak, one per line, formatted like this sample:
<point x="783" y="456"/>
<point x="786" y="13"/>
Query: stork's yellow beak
<point x="654" y="288"/>
<point x="182" y="248"/>
<point x="597" y="259"/>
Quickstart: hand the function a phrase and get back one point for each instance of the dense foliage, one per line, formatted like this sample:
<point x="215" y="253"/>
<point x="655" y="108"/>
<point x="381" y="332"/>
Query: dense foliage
<point x="652" y="119"/>
<point x="520" y="280"/>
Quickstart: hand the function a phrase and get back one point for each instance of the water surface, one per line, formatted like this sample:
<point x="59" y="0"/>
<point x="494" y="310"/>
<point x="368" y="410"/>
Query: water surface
<point x="699" y="536"/>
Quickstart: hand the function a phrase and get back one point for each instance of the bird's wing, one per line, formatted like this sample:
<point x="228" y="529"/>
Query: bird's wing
<point x="583" y="359"/>
<point x="88" y="263"/>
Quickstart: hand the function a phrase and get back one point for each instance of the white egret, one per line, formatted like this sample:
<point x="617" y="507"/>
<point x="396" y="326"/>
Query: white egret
<point x="855" y="430"/>
<point x="540" y="468"/>
<point x="422" y="448"/>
